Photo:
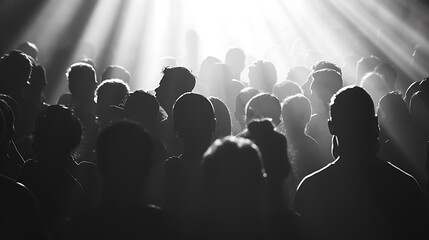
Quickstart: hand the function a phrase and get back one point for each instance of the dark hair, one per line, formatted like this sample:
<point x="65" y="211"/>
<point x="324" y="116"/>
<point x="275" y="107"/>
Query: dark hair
<point x="142" y="101"/>
<point x="181" y="78"/>
<point x="116" y="71"/>
<point x="81" y="76"/>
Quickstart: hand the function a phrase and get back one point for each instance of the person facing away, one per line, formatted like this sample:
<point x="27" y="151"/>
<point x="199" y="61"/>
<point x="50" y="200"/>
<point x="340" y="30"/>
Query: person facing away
<point x="263" y="76"/>
<point x="240" y="108"/>
<point x="235" y="58"/>
<point x="124" y="151"/>
<point x="178" y="179"/>
<point x="57" y="133"/>
<point x="359" y="196"/>
<point x="175" y="82"/>
<point x="233" y="174"/>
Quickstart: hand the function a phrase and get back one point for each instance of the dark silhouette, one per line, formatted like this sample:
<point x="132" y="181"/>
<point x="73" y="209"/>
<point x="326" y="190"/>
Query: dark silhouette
<point x="400" y="143"/>
<point x="321" y="65"/>
<point x="359" y="193"/>
<point x="29" y="48"/>
<point x="325" y="84"/>
<point x="263" y="105"/>
<point x="419" y="108"/>
<point x="263" y="76"/>
<point x="303" y="150"/>
<point x="279" y="221"/>
<point x="235" y="59"/>
<point x="223" y="119"/>
<point x="116" y="72"/>
<point x="110" y="92"/>
<point x="240" y="106"/>
<point x="124" y="152"/>
<point x="233" y="176"/>
<point x="285" y="89"/>
<point x="175" y="82"/>
<point x="57" y="132"/>
<point x="366" y="65"/>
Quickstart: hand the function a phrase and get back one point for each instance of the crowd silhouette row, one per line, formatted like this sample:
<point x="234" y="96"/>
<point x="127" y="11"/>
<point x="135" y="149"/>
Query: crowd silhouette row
<point x="213" y="156"/>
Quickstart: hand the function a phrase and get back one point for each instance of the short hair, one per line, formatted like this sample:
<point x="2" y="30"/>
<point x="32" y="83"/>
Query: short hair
<point x="15" y="71"/>
<point x="29" y="48"/>
<point x="112" y="92"/>
<point x="116" y="71"/>
<point x="264" y="105"/>
<point x="375" y="85"/>
<point x="180" y="77"/>
<point x="296" y="110"/>
<point x="244" y="97"/>
<point x="81" y="76"/>
<point x="263" y="75"/>
<point x="326" y="82"/>
<point x="58" y="124"/>
<point x="392" y="106"/>
<point x="352" y="109"/>
<point x="193" y="114"/>
<point x="233" y="167"/>
<point x="124" y="151"/>
<point x="365" y="65"/>
<point x="327" y="65"/>
<point x="286" y="88"/>
<point x="298" y="74"/>
<point x="142" y="101"/>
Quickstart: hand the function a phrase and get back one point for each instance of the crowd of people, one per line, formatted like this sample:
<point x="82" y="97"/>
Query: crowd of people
<point x="308" y="156"/>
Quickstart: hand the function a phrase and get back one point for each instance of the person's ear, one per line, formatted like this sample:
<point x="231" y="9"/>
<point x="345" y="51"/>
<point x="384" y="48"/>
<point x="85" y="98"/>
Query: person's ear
<point x="331" y="127"/>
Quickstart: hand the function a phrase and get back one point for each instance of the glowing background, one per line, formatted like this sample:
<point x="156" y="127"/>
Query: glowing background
<point x="137" y="34"/>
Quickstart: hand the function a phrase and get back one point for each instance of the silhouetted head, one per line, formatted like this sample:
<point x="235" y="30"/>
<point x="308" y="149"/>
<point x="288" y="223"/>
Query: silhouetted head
<point x="364" y="66"/>
<point x="296" y="113"/>
<point x="82" y="81"/>
<point x="29" y="48"/>
<point x="393" y="113"/>
<point x="57" y="132"/>
<point x="273" y="147"/>
<point x="116" y="71"/>
<point x="233" y="171"/>
<point x="375" y="85"/>
<point x="327" y="65"/>
<point x="194" y="118"/>
<point x="235" y="59"/>
<point x="15" y="72"/>
<point x="263" y="76"/>
<point x="353" y="121"/>
<point x="111" y="92"/>
<point x="223" y="120"/>
<point x="389" y="74"/>
<point x="240" y="104"/>
<point x="263" y="105"/>
<point x="326" y="83"/>
<point x="142" y="107"/>
<point x="298" y="74"/>
<point x="124" y="152"/>
<point x="285" y="89"/>
<point x="175" y="82"/>
<point x="205" y="66"/>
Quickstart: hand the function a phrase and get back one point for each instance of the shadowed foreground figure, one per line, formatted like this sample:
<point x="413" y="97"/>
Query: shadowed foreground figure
<point x="359" y="196"/>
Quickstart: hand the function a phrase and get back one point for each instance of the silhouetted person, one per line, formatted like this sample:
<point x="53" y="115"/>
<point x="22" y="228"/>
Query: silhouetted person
<point x="321" y="65"/>
<point x="303" y="150"/>
<point x="235" y="59"/>
<point x="110" y="92"/>
<point x="82" y="84"/>
<point x="57" y="132"/>
<point x="360" y="196"/>
<point x="263" y="105"/>
<point x="375" y="85"/>
<point x="116" y="72"/>
<point x="124" y="152"/>
<point x="366" y="65"/>
<point x="263" y="76"/>
<point x="233" y="176"/>
<point x="202" y="85"/>
<point x="285" y="89"/>
<point x="279" y="221"/>
<point x="240" y="107"/>
<point x="175" y="82"/>
<point x="223" y="119"/>
<point x="400" y="143"/>
<point x="389" y="74"/>
<point x="326" y="83"/>
<point x="20" y="217"/>
<point x="298" y="74"/>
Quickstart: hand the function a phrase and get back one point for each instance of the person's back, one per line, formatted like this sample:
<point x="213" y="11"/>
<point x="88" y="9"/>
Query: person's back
<point x="359" y="196"/>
